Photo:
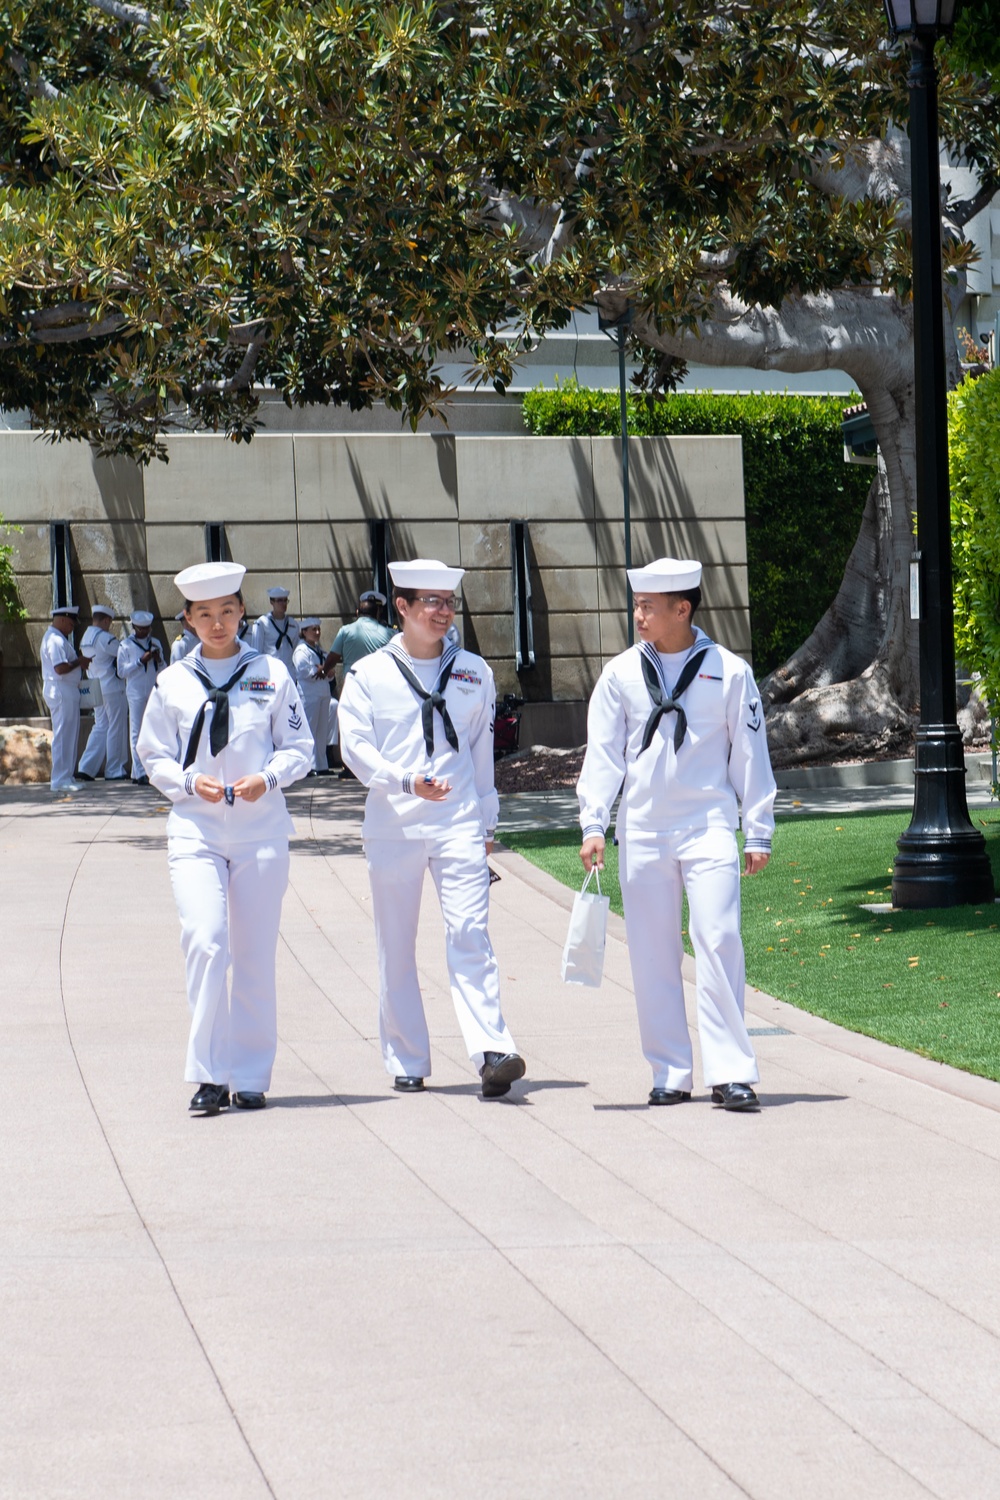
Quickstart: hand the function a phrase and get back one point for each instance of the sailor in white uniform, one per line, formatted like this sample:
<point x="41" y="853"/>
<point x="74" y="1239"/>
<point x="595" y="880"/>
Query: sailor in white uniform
<point x="62" y="669"/>
<point x="416" y="727"/>
<point x="107" y="743"/>
<point x="185" y="642"/>
<point x="140" y="661"/>
<point x="222" y="733"/>
<point x="679" y="720"/>
<point x="277" y="632"/>
<point x="313" y="670"/>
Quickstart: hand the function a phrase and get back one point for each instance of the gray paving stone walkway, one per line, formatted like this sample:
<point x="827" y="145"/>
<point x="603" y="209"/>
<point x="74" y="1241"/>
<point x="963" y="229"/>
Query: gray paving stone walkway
<point x="359" y="1294"/>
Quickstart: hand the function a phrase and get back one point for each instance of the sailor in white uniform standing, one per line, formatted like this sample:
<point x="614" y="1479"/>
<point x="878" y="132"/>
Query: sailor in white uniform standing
<point x="107" y="743"/>
<point x="679" y="720"/>
<point x="416" y="727"/>
<point x="313" y="670"/>
<point x="277" y="632"/>
<point x="62" y="669"/>
<point x="140" y="661"/>
<point x="185" y="642"/>
<point x="222" y="733"/>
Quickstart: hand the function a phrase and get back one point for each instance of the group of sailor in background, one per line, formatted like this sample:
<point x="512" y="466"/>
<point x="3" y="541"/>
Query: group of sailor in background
<point x="127" y="671"/>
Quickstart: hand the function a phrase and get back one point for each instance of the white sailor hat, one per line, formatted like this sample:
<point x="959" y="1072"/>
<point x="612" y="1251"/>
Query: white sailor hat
<point x="372" y="594"/>
<point x="181" y="614"/>
<point x="210" y="580"/>
<point x="65" y="609"/>
<point x="102" y="609"/>
<point x="277" y="592"/>
<point x="425" y="573"/>
<point x="141" y="617"/>
<point x="666" y="575"/>
<point x="309" y="622"/>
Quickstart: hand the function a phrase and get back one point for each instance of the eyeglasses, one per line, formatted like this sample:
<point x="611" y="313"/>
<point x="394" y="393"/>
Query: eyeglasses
<point x="437" y="601"/>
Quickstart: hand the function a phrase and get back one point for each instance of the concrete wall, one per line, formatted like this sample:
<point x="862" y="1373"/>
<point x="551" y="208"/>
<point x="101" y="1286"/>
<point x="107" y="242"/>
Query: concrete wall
<point x="296" y="508"/>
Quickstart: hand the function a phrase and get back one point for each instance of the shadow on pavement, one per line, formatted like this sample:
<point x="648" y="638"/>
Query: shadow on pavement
<point x="323" y="1101"/>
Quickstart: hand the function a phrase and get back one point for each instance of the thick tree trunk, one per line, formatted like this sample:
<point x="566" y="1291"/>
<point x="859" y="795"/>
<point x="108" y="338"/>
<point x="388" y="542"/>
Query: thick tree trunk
<point x="852" y="688"/>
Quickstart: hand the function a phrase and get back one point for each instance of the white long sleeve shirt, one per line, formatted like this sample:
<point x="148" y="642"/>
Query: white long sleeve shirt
<point x="101" y="648"/>
<point x="185" y="643"/>
<point x="722" y="766"/>
<point x="268" y="734"/>
<point x="276" y="638"/>
<point x="382" y="741"/>
<point x="307" y="665"/>
<point x="139" y="675"/>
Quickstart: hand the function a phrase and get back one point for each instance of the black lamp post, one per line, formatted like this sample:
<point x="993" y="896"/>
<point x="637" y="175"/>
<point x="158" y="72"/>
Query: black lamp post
<point x="616" y="328"/>
<point x="942" y="859"/>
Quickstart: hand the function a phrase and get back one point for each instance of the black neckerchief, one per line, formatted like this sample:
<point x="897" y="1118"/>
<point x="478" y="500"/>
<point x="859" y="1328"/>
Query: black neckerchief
<point x="281" y="634"/>
<point x="668" y="703"/>
<point x="429" y="701"/>
<point x="218" y="737"/>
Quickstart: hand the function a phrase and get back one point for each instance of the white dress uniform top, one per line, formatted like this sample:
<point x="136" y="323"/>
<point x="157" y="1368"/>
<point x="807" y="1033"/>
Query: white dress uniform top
<point x="140" y="679"/>
<point x="383" y="741"/>
<point x="107" y="743"/>
<point x="276" y="637"/>
<point x="61" y="692"/>
<point x="185" y="642"/>
<point x="308" y="662"/>
<point x="675" y="828"/>
<point x="228" y="863"/>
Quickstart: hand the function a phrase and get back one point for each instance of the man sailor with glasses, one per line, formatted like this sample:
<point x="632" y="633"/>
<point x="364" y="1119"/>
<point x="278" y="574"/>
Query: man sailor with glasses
<point x="416" y="727"/>
<point x="679" y="720"/>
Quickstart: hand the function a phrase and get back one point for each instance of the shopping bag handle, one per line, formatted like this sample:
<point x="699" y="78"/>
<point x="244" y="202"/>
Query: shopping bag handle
<point x="592" y="874"/>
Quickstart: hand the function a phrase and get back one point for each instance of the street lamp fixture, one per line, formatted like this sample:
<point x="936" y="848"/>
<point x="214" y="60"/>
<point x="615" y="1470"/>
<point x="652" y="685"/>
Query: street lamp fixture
<point x="616" y="329"/>
<point x="928" y="18"/>
<point x="942" y="859"/>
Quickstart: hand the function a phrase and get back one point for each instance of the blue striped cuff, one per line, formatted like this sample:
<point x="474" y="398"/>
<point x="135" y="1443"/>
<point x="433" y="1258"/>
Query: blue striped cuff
<point x="408" y="783"/>
<point x="189" y="782"/>
<point x="593" y="830"/>
<point x="270" y="779"/>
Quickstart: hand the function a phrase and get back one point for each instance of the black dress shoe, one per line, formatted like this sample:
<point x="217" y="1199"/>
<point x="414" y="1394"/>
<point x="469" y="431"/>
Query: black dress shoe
<point x="248" y="1100"/>
<point x="140" y="781"/>
<point x="210" y="1098"/>
<point x="82" y="776"/>
<point x="668" y="1096"/>
<point x="407" y="1083"/>
<point x="499" y="1071"/>
<point x="735" y="1096"/>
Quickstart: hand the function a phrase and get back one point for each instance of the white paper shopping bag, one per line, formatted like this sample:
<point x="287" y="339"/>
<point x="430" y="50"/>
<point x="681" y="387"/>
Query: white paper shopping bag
<point x="583" y="955"/>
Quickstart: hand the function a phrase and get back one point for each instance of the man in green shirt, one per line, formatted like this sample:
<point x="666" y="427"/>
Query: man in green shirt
<point x="360" y="638"/>
<point x="364" y="634"/>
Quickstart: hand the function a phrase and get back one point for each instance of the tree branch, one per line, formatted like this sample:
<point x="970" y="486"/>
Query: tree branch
<point x="39" y="88"/>
<point x="244" y="375"/>
<point x="132" y="15"/>
<point x="962" y="212"/>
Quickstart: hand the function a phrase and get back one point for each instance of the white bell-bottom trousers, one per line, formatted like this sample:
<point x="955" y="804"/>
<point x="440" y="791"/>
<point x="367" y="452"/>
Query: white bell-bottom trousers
<point x="457" y="864"/>
<point x="64" y="706"/>
<point x="230" y="907"/>
<point x="107" y="742"/>
<point x="655" y="869"/>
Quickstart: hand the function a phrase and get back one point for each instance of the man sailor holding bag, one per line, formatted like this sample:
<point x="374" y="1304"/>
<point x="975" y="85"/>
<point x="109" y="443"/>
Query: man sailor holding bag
<point x="416" y="727"/>
<point x="680" y="721"/>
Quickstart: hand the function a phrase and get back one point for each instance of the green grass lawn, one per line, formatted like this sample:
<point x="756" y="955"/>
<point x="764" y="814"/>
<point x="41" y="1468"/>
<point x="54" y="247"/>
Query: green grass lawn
<point x="921" y="980"/>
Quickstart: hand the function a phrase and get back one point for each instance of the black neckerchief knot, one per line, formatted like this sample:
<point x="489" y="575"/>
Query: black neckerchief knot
<point x="429" y="701"/>
<point x="664" y="703"/>
<point x="281" y="634"/>
<point x="218" y="737"/>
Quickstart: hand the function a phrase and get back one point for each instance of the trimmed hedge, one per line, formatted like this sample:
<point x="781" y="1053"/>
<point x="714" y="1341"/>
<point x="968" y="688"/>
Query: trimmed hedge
<point x="803" y="503"/>
<point x="974" y="459"/>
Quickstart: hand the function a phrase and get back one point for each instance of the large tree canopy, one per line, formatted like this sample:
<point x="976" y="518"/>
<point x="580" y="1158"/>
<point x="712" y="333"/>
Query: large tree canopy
<point x="325" y="197"/>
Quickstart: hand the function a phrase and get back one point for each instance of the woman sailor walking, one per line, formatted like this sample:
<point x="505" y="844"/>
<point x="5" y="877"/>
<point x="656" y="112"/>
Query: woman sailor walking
<point x="223" y="732"/>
